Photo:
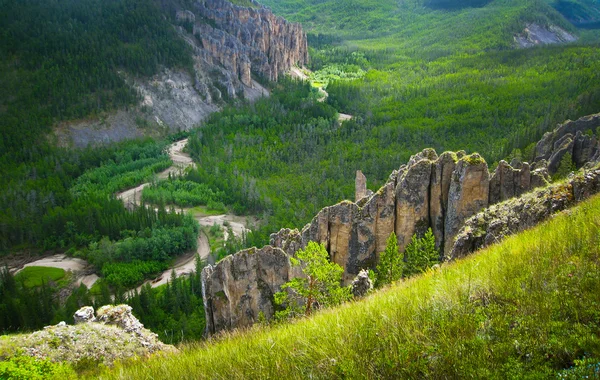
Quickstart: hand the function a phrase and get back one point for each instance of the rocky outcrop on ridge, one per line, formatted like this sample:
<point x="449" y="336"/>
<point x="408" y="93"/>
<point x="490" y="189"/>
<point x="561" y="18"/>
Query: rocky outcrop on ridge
<point x="241" y="287"/>
<point x="535" y="34"/>
<point x="430" y="191"/>
<point x="574" y="137"/>
<point x="517" y="214"/>
<point x="113" y="334"/>
<point x="229" y="44"/>
<point x="249" y="39"/>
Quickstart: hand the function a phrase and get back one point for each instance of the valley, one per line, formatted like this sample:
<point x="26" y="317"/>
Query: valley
<point x="300" y="188"/>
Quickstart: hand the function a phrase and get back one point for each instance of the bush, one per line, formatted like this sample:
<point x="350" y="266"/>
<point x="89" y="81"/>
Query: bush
<point x="27" y="367"/>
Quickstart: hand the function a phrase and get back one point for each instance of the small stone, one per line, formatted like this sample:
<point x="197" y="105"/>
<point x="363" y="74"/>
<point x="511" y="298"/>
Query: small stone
<point x="362" y="284"/>
<point x="84" y="315"/>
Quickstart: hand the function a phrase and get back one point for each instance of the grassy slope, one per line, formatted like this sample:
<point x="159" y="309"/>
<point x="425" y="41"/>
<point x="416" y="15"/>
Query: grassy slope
<point x="463" y="320"/>
<point x="413" y="26"/>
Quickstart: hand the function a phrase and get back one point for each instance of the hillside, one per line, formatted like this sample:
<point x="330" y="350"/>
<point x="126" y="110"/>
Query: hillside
<point x="459" y="321"/>
<point x="418" y="27"/>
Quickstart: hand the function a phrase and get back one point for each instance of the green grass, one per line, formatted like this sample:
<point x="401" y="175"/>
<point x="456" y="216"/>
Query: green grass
<point x="35" y="276"/>
<point x="200" y="211"/>
<point x="526" y="308"/>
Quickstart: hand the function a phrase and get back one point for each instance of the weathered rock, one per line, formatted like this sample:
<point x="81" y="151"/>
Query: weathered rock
<point x="241" y="287"/>
<point x="119" y="336"/>
<point x="583" y="146"/>
<point x="441" y="177"/>
<point x="563" y="146"/>
<point x="84" y="315"/>
<point x="428" y="192"/>
<point x="508" y="181"/>
<point x="360" y="185"/>
<point x="120" y="316"/>
<point x="468" y="194"/>
<point x="509" y="217"/>
<point x="362" y="284"/>
<point x="290" y="241"/>
<point x="412" y="200"/>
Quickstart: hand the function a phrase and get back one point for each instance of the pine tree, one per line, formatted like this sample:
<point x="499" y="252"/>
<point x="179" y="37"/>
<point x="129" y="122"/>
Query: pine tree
<point x="390" y="265"/>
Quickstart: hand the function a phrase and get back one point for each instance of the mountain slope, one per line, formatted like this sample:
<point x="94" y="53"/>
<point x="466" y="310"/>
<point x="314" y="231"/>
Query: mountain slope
<point x="463" y="320"/>
<point x="414" y="26"/>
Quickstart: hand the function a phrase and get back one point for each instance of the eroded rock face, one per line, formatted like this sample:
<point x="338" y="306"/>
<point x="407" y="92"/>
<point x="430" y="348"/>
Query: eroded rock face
<point x="241" y="287"/>
<point x="573" y="137"/>
<point x="469" y="193"/>
<point x="250" y="39"/>
<point x="229" y="43"/>
<point x="517" y="214"/>
<point x="360" y="185"/>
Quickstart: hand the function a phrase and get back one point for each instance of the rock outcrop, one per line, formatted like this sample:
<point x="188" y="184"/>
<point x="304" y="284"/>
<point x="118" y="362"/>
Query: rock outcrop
<point x="249" y="39"/>
<point x="576" y="138"/>
<point x="241" y="287"/>
<point x="117" y="335"/>
<point x="362" y="284"/>
<point x="507" y="218"/>
<point x="535" y="34"/>
<point x="229" y="45"/>
<point x="428" y="192"/>
<point x="438" y="192"/>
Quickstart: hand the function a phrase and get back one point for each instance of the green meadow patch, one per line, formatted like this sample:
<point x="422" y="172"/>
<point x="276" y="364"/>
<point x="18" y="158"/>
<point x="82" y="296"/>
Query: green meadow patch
<point x="36" y="276"/>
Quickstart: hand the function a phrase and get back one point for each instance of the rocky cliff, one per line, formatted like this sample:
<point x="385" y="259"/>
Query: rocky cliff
<point x="430" y="191"/>
<point x="229" y="45"/>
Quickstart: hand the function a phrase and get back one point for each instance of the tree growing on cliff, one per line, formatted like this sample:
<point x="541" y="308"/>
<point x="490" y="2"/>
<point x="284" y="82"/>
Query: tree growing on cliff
<point x="320" y="288"/>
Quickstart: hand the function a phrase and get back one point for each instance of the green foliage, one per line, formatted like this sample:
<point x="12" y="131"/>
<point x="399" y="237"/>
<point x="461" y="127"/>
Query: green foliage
<point x="36" y="276"/>
<point x="565" y="167"/>
<point x="182" y="193"/>
<point x="525" y="308"/>
<point x="29" y="368"/>
<point x="420" y="254"/>
<point x="391" y="263"/>
<point x="174" y="311"/>
<point x="59" y="60"/>
<point x="130" y="274"/>
<point x="321" y="287"/>
<point x="586" y="368"/>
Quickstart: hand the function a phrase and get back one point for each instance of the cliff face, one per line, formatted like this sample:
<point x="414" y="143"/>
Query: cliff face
<point x="229" y="43"/>
<point x="246" y="39"/>
<point x="438" y="192"/>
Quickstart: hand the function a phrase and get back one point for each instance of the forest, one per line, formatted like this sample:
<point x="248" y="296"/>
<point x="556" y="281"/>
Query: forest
<point x="412" y="74"/>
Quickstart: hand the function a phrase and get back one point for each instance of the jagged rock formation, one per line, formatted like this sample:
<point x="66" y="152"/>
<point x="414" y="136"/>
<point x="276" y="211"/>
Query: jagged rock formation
<point x="430" y="191"/>
<point x="241" y="287"/>
<point x="574" y="137"/>
<point x="360" y="185"/>
<point x="517" y="214"/>
<point x="229" y="43"/>
<point x="117" y="335"/>
<point x="249" y="39"/>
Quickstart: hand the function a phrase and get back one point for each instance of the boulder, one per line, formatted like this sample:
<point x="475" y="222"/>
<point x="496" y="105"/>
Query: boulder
<point x="84" y="315"/>
<point x="362" y="284"/>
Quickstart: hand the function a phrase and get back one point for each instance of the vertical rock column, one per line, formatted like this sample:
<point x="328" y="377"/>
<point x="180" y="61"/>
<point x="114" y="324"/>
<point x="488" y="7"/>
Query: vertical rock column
<point x="468" y="193"/>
